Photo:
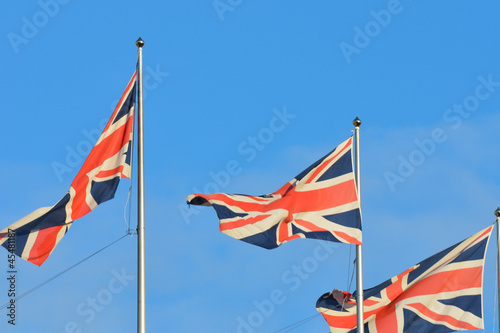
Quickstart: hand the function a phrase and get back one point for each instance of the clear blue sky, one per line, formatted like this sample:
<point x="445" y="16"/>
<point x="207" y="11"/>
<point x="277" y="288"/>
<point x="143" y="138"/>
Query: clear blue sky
<point x="270" y="86"/>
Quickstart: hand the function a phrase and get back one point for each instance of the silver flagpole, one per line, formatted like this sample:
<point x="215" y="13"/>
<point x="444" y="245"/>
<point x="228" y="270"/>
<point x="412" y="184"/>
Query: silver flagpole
<point x="359" y="253"/>
<point x="141" y="258"/>
<point x="497" y="214"/>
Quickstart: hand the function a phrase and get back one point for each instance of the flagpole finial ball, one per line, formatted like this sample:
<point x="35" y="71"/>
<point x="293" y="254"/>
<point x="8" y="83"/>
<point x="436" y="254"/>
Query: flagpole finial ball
<point x="497" y="212"/>
<point x="140" y="42"/>
<point x="356" y="122"/>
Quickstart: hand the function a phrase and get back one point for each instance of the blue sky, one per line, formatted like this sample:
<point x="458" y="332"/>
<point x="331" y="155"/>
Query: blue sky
<point x="269" y="87"/>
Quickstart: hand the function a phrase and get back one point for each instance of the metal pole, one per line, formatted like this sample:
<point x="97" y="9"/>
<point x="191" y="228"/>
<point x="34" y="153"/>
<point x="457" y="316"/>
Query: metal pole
<point x="359" y="253"/>
<point x="497" y="214"/>
<point x="141" y="258"/>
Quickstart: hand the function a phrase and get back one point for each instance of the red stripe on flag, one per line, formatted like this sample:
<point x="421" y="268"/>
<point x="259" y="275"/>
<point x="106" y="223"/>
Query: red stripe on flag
<point x="347" y="238"/>
<point x="463" y="325"/>
<point x="396" y="288"/>
<point x="308" y="225"/>
<point x="344" y="322"/>
<point x="369" y="302"/>
<point x="242" y="222"/>
<point x="44" y="244"/>
<point x="455" y="280"/>
<point x="283" y="232"/>
<point x="325" y="198"/>
<point x="347" y="322"/>
<point x="107" y="148"/>
<point x="324" y="164"/>
<point x="120" y="103"/>
<point x="112" y="172"/>
<point x="295" y="201"/>
<point x="228" y="199"/>
<point x="290" y="238"/>
<point x="485" y="233"/>
<point x="283" y="189"/>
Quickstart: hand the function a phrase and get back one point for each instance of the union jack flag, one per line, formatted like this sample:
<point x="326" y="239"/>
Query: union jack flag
<point x="321" y="202"/>
<point x="443" y="293"/>
<point x="37" y="234"/>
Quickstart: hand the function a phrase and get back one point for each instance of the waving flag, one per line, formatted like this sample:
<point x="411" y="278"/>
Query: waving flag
<point x="321" y="202"/>
<point x="37" y="234"/>
<point x="441" y="294"/>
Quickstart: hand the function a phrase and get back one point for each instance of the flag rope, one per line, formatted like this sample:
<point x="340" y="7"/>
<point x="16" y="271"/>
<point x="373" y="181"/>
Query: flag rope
<point x="352" y="276"/>
<point x="348" y="267"/>
<point x="129" y="231"/>
<point x="297" y="324"/>
<point x="63" y="272"/>
<point x="125" y="210"/>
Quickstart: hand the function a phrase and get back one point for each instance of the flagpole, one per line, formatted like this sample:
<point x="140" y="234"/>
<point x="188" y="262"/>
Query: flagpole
<point x="497" y="214"/>
<point x="141" y="258"/>
<point x="359" y="254"/>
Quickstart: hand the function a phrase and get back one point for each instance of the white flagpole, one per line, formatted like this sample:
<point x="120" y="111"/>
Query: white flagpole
<point x="141" y="258"/>
<point x="359" y="253"/>
<point x="497" y="214"/>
